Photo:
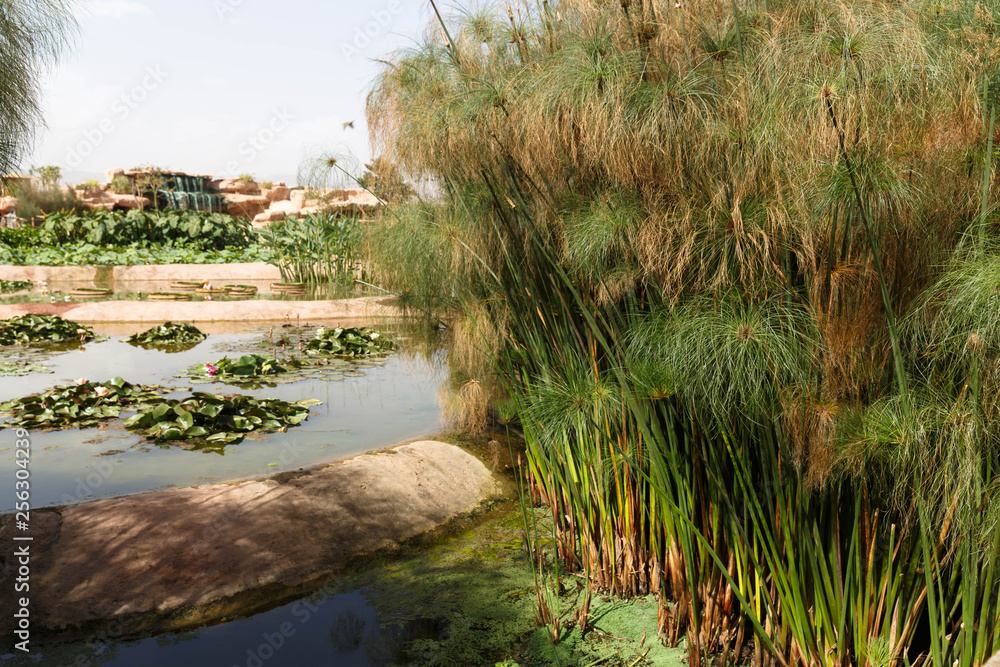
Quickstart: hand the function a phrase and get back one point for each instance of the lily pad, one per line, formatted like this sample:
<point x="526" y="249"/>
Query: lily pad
<point x="22" y="369"/>
<point x="82" y="405"/>
<point x="168" y="335"/>
<point x="7" y="286"/>
<point x="214" y="420"/>
<point x="349" y="342"/>
<point x="30" y="329"/>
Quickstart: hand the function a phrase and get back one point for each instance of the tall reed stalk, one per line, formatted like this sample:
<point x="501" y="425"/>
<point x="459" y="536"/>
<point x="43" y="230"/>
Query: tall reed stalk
<point x="725" y="286"/>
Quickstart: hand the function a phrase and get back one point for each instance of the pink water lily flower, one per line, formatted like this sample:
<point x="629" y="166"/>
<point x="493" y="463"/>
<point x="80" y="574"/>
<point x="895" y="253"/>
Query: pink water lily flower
<point x="81" y="382"/>
<point x="212" y="370"/>
<point x="102" y="391"/>
<point x="81" y="332"/>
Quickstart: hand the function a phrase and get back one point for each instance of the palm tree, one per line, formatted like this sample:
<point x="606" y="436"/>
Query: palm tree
<point x="34" y="34"/>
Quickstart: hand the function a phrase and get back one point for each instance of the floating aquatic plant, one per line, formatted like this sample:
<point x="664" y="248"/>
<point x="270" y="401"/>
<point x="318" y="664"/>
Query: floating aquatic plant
<point x="83" y="404"/>
<point x="168" y="334"/>
<point x="212" y="419"/>
<point x="349" y="342"/>
<point x="14" y="285"/>
<point x="28" y="329"/>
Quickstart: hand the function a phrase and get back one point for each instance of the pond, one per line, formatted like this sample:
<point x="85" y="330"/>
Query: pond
<point x="140" y="290"/>
<point x="321" y="630"/>
<point x="369" y="405"/>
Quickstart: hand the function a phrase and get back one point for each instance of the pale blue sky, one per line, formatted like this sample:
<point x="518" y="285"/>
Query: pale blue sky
<point x="218" y="86"/>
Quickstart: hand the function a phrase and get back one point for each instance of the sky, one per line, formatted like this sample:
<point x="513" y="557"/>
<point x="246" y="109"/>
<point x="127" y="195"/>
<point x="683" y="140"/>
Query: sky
<point x="221" y="87"/>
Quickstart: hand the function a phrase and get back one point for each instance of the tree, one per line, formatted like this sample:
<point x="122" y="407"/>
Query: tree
<point x="33" y="36"/>
<point x="386" y="181"/>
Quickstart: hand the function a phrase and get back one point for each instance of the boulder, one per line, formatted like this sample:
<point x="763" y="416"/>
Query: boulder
<point x="298" y="198"/>
<point x="277" y="193"/>
<point x="268" y="217"/>
<point x="245" y="206"/>
<point x="234" y="186"/>
<point x="112" y="174"/>
<point x="284" y="207"/>
<point x="127" y="201"/>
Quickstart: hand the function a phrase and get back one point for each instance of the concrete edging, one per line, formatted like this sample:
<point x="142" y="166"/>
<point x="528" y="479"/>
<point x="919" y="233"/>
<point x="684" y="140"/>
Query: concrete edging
<point x="143" y="272"/>
<point x="183" y="557"/>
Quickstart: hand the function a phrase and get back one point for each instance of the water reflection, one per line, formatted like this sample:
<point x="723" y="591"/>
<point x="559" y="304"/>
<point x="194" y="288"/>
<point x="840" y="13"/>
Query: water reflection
<point x="370" y="409"/>
<point x="320" y="631"/>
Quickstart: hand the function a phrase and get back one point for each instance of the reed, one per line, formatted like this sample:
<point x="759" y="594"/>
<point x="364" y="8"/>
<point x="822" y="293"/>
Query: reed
<point x="740" y="292"/>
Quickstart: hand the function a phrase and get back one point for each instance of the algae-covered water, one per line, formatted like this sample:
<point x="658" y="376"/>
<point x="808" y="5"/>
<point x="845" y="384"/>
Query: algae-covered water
<point x="464" y="600"/>
<point x="367" y="405"/>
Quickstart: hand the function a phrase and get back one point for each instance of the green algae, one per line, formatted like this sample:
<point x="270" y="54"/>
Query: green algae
<point x="478" y="584"/>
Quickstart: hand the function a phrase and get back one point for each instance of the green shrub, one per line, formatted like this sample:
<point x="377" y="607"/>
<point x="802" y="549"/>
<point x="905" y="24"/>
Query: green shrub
<point x="245" y="178"/>
<point x="267" y="185"/>
<point x="34" y="204"/>
<point x="121" y="185"/>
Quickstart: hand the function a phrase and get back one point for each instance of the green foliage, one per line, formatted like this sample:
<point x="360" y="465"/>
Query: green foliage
<point x="102" y="238"/>
<point x="189" y="229"/>
<point x="168" y="334"/>
<point x="121" y="185"/>
<point x="316" y="249"/>
<point x="83" y="405"/>
<point x="246" y="368"/>
<point x="90" y="184"/>
<point x="385" y="181"/>
<point x="350" y="342"/>
<point x="31" y="329"/>
<point x="35" y="36"/>
<point x="682" y="240"/>
<point x="214" y="421"/>
<point x="23" y="237"/>
<point x="88" y="254"/>
<point x="35" y="204"/>
<point x="267" y="185"/>
<point x="14" y="285"/>
<point x="49" y="175"/>
<point x="245" y="178"/>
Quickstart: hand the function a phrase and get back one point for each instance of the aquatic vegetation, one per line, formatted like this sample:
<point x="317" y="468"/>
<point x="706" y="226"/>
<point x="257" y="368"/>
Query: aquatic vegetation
<point x="81" y="405"/>
<point x="349" y="342"/>
<point x="216" y="420"/>
<point x="168" y="334"/>
<point x="246" y="368"/>
<point x="88" y="254"/>
<point x="33" y="329"/>
<point x="14" y="285"/>
<point x="749" y="339"/>
<point x="316" y="249"/>
<point x="191" y="229"/>
<point x="13" y="369"/>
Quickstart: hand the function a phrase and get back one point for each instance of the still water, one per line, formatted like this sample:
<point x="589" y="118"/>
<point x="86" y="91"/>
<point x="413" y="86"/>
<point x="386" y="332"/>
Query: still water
<point x="370" y="407"/>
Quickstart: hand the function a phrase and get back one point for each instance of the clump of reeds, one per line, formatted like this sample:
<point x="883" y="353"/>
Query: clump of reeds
<point x="704" y="242"/>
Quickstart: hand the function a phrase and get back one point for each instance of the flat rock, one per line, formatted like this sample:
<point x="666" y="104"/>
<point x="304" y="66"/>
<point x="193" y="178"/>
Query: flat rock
<point x="182" y="557"/>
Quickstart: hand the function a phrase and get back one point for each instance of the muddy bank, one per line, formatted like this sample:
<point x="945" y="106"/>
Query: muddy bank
<point x="153" y="312"/>
<point x="185" y="557"/>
